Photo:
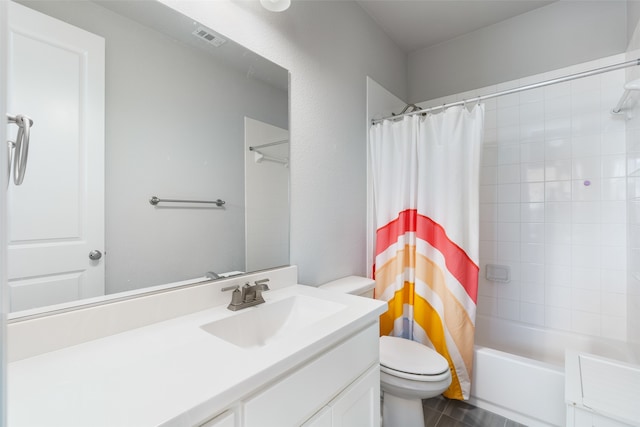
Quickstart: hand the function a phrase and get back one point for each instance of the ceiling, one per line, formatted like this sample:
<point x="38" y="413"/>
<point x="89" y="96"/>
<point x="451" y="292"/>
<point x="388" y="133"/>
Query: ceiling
<point x="416" y="24"/>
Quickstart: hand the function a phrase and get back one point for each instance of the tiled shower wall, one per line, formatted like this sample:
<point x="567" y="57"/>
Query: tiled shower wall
<point x="553" y="202"/>
<point x="633" y="170"/>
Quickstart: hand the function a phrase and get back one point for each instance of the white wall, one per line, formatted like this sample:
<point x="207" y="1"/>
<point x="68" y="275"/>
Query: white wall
<point x="558" y="35"/>
<point x="552" y="203"/>
<point x="174" y="129"/>
<point x="329" y="48"/>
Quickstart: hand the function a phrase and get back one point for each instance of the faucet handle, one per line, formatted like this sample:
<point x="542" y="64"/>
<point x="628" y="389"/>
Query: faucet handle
<point x="262" y="284"/>
<point x="236" y="296"/>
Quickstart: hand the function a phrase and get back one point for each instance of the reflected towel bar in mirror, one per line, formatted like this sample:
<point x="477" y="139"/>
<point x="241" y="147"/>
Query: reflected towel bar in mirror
<point x="269" y="144"/>
<point x="155" y="200"/>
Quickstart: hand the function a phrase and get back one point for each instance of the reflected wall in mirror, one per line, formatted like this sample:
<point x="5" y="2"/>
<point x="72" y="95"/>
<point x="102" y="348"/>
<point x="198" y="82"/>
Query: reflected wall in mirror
<point x="128" y="103"/>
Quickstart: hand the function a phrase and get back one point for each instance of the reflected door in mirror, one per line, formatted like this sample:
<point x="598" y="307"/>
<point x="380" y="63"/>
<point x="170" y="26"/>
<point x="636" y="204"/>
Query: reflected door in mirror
<point x="56" y="76"/>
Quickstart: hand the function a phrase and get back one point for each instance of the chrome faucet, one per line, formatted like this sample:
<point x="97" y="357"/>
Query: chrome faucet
<point x="248" y="296"/>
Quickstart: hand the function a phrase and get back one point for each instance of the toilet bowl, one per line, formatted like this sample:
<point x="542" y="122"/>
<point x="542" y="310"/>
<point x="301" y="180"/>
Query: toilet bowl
<point x="409" y="371"/>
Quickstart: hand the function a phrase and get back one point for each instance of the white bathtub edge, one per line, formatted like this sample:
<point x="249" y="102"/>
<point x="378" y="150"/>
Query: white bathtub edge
<point x="524" y="390"/>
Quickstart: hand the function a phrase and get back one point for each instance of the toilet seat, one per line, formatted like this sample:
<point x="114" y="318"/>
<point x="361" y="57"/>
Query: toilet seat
<point x="411" y="360"/>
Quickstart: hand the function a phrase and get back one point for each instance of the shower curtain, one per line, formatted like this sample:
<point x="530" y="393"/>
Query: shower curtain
<point x="426" y="185"/>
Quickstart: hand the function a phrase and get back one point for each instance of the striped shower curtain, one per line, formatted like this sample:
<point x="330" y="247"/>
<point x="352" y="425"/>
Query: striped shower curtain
<point x="426" y="185"/>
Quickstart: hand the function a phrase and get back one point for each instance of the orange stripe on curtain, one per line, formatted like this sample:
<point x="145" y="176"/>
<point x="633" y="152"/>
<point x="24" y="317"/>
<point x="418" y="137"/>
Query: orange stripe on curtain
<point x="429" y="320"/>
<point x="458" y="323"/>
<point x="460" y="327"/>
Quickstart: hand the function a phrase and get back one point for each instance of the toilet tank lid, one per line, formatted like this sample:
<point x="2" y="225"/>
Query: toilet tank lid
<point x="411" y="357"/>
<point x="355" y="285"/>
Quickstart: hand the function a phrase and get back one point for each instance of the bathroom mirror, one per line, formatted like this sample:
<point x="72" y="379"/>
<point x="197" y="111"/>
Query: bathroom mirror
<point x="188" y="115"/>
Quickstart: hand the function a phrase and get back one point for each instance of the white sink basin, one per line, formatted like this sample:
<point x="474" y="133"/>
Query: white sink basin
<point x="263" y="324"/>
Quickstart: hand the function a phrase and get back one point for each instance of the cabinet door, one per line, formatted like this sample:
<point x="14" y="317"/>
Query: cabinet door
<point x="226" y="419"/>
<point x="322" y="419"/>
<point x="359" y="404"/>
<point x="307" y="390"/>
<point x="582" y="417"/>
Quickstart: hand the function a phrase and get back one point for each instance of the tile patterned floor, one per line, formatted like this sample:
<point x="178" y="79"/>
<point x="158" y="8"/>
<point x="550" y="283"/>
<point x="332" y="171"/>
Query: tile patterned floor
<point x="441" y="412"/>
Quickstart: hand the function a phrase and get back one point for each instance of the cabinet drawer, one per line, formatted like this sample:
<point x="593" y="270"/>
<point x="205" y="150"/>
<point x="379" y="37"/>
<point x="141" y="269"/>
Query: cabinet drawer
<point x="302" y="393"/>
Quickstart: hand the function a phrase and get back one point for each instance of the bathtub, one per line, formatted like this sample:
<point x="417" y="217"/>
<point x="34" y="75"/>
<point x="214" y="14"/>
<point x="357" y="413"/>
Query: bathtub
<point x="518" y="369"/>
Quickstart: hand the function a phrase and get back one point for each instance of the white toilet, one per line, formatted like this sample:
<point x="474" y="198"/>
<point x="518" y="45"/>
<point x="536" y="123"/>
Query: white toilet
<point x="409" y="371"/>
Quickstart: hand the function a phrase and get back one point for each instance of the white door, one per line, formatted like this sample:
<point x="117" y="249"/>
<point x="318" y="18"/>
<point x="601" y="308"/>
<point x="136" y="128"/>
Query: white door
<point x="56" y="217"/>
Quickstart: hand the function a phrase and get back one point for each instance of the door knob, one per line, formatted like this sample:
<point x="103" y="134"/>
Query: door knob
<point x="95" y="255"/>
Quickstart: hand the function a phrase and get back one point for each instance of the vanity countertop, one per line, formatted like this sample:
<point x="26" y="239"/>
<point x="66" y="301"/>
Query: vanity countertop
<point x="170" y="373"/>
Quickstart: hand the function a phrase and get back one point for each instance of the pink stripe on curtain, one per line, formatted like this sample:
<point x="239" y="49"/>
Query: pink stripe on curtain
<point x="457" y="261"/>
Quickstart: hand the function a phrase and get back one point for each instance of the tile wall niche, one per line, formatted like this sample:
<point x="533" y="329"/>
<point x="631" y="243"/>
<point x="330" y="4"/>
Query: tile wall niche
<point x="553" y="202"/>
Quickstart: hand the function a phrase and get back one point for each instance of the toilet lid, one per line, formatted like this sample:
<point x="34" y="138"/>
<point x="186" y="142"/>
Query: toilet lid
<point x="408" y="356"/>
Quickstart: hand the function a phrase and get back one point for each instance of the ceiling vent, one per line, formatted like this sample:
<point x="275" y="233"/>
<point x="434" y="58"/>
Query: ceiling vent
<point x="209" y="37"/>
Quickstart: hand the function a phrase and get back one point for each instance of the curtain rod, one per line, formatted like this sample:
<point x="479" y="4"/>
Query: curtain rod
<point x="589" y="73"/>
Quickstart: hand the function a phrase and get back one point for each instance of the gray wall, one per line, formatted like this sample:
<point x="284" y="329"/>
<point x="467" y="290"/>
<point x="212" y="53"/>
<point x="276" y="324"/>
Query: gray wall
<point x="555" y="36"/>
<point x="633" y="17"/>
<point x="174" y="129"/>
<point x="329" y="48"/>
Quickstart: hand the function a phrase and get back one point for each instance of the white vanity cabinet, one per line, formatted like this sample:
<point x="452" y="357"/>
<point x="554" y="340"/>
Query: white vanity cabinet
<point x="344" y="379"/>
<point x="357" y="406"/>
<point x="226" y="419"/>
<point x="339" y="387"/>
<point x="325" y="373"/>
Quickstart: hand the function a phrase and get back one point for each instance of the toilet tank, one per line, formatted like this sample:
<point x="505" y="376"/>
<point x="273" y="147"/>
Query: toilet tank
<point x="355" y="285"/>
